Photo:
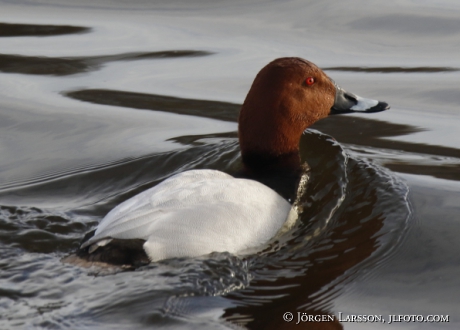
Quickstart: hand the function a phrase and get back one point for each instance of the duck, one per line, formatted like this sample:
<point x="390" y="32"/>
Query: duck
<point x="198" y="212"/>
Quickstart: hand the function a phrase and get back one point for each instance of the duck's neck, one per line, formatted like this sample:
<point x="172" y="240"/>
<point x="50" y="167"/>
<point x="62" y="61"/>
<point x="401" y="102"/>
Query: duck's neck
<point x="269" y="134"/>
<point x="263" y="162"/>
<point x="269" y="141"/>
<point x="281" y="173"/>
<point x="269" y="146"/>
<point x="269" y="126"/>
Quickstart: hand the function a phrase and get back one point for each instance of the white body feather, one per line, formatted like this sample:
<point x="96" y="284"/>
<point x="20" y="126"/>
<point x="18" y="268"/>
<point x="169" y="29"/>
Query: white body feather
<point x="195" y="213"/>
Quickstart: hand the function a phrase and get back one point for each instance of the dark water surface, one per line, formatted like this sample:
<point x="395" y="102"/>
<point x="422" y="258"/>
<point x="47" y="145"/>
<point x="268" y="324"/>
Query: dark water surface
<point x="101" y="100"/>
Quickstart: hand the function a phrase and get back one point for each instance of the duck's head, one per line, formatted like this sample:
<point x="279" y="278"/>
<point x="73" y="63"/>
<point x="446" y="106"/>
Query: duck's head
<point x="288" y="95"/>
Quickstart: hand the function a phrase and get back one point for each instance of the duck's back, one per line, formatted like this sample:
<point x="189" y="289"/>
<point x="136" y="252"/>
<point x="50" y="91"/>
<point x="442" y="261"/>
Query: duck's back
<point x="195" y="213"/>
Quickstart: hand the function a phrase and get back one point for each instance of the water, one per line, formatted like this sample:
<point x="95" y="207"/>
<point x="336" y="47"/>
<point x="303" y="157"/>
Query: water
<point x="101" y="100"/>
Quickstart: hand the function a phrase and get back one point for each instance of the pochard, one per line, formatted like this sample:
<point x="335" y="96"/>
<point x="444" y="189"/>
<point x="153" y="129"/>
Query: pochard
<point x="198" y="212"/>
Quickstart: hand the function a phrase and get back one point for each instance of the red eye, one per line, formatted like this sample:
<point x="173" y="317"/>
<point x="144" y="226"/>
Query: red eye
<point x="310" y="81"/>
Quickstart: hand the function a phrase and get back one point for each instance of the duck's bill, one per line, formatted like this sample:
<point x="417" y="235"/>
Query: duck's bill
<point x="346" y="102"/>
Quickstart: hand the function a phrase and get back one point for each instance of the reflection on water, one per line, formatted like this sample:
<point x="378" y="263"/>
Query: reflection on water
<point x="23" y="30"/>
<point x="393" y="69"/>
<point x="202" y="108"/>
<point x="74" y="65"/>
